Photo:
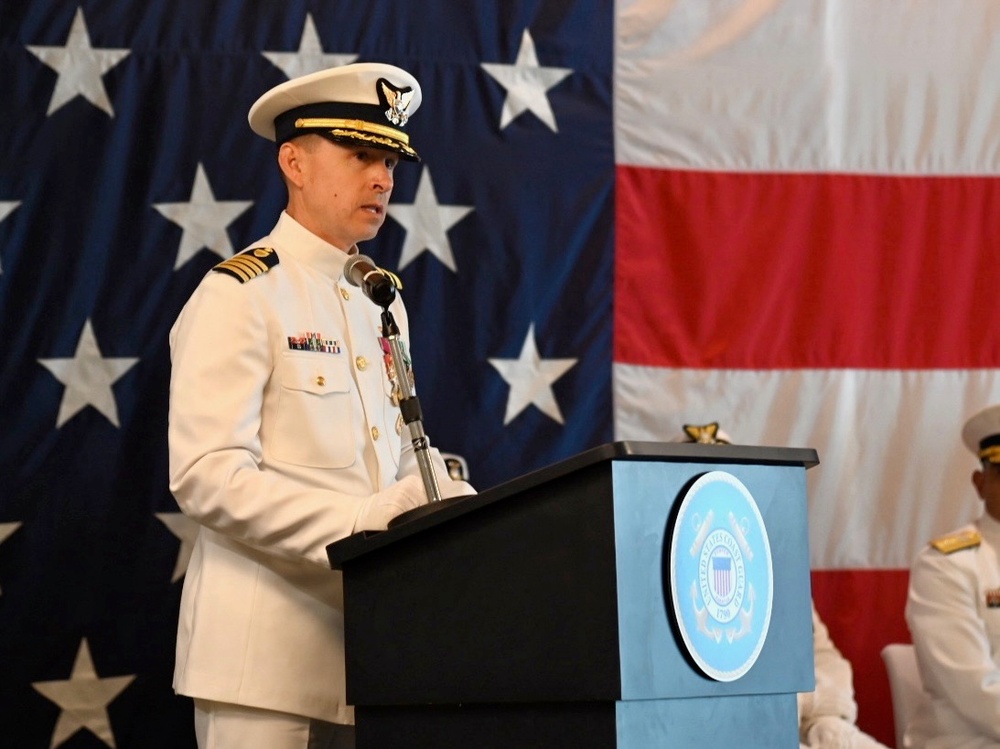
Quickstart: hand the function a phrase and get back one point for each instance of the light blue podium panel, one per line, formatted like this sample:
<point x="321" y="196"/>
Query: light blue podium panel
<point x="666" y="700"/>
<point x="736" y="722"/>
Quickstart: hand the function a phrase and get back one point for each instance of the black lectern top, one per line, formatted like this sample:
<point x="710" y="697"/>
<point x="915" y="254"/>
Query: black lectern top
<point x="362" y="543"/>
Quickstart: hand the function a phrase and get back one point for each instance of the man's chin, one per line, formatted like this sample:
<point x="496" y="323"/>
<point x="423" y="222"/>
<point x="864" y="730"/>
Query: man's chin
<point x="374" y="223"/>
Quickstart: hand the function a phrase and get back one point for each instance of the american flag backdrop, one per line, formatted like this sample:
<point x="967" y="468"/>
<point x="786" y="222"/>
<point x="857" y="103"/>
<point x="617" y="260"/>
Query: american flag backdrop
<point x="777" y="214"/>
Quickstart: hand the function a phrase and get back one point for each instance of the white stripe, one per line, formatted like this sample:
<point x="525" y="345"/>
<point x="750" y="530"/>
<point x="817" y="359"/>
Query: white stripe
<point x="808" y="85"/>
<point x="893" y="471"/>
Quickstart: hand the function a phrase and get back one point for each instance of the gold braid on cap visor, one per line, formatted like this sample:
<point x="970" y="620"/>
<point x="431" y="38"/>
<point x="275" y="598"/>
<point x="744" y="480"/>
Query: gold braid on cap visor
<point x="990" y="454"/>
<point x="380" y="134"/>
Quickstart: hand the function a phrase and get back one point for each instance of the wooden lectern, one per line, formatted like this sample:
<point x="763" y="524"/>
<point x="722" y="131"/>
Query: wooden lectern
<point x="541" y="612"/>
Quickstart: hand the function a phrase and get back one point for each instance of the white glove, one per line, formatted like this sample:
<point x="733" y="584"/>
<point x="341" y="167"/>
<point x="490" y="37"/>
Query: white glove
<point x="395" y="499"/>
<point x="450" y="488"/>
<point x="831" y="732"/>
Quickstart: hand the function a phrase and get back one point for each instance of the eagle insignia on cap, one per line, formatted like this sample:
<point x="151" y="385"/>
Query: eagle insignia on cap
<point x="249" y="264"/>
<point x="397" y="100"/>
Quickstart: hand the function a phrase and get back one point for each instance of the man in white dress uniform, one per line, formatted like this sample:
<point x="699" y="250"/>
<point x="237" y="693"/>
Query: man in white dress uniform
<point x="285" y="431"/>
<point x="953" y="610"/>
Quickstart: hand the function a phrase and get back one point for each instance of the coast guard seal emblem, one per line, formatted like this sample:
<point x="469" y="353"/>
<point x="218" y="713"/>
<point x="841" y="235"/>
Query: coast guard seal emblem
<point x="721" y="579"/>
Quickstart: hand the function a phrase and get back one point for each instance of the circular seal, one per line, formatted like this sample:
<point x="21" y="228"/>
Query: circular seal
<point x="721" y="579"/>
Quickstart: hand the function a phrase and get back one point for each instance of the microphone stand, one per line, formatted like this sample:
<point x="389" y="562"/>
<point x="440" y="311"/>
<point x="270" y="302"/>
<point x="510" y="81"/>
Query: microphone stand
<point x="409" y="406"/>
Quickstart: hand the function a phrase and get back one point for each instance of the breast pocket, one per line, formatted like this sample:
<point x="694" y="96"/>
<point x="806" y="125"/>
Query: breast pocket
<point x="314" y="424"/>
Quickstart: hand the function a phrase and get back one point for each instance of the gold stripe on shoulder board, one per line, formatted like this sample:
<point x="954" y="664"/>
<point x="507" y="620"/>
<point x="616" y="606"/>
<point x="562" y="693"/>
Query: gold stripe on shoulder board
<point x="957" y="541"/>
<point x="249" y="264"/>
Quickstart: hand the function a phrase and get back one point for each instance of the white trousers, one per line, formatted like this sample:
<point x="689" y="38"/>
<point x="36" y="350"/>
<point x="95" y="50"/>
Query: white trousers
<point x="220" y="725"/>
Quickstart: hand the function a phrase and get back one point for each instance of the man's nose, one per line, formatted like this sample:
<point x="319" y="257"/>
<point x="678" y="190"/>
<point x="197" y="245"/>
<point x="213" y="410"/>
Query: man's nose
<point x="383" y="178"/>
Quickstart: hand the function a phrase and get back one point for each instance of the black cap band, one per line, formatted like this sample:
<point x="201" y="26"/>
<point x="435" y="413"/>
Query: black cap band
<point x="359" y="124"/>
<point x="992" y="441"/>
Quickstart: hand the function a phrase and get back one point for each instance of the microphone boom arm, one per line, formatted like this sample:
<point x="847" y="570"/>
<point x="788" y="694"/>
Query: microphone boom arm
<point x="409" y="406"/>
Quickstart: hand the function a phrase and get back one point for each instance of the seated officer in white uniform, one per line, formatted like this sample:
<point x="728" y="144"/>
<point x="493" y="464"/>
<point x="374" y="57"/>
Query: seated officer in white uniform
<point x="285" y="431"/>
<point x="953" y="610"/>
<point x="827" y="715"/>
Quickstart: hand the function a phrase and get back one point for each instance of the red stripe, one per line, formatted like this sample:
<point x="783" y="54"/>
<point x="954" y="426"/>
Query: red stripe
<point x="863" y="609"/>
<point x="759" y="271"/>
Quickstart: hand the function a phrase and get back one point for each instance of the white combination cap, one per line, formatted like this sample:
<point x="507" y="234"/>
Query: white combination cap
<point x="365" y="103"/>
<point x="981" y="434"/>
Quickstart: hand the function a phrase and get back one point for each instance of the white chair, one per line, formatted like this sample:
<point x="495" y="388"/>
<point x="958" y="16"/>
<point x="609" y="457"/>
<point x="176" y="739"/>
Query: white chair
<point x="905" y="686"/>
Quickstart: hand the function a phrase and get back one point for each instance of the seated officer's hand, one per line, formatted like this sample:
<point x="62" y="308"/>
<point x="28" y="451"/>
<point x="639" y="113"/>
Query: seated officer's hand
<point x="831" y="732"/>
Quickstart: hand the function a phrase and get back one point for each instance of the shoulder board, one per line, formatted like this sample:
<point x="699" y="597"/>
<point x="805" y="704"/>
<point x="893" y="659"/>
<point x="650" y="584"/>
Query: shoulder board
<point x="249" y="264"/>
<point x="957" y="541"/>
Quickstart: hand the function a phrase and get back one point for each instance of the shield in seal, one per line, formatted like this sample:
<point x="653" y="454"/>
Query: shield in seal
<point x="721" y="578"/>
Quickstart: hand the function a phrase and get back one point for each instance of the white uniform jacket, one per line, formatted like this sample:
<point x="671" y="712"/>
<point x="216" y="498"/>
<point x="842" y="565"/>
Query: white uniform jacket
<point x="953" y="611"/>
<point x="273" y="448"/>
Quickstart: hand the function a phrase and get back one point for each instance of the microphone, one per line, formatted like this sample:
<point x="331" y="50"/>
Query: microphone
<point x="360" y="270"/>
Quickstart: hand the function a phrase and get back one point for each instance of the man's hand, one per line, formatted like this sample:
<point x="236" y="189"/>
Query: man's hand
<point x="395" y="499"/>
<point x="450" y="488"/>
<point x="831" y="732"/>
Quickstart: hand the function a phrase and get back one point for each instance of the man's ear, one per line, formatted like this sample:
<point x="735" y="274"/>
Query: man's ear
<point x="290" y="160"/>
<point x="977" y="481"/>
